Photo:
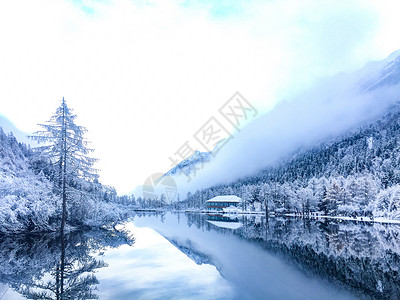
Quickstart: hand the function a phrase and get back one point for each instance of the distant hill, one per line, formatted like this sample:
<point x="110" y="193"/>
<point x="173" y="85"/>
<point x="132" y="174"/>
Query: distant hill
<point x="188" y="165"/>
<point x="8" y="127"/>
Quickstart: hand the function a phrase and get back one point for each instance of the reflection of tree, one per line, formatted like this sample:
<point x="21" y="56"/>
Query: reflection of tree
<point x="72" y="278"/>
<point x="50" y="267"/>
<point x="361" y="257"/>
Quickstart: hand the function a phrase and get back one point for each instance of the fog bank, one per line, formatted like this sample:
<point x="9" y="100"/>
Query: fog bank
<point x="333" y="107"/>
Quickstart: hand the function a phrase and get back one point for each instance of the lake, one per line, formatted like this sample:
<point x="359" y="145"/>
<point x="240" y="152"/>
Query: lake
<point x="199" y="256"/>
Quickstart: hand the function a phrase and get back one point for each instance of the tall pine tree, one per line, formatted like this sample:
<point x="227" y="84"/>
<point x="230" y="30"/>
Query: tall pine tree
<point x="67" y="150"/>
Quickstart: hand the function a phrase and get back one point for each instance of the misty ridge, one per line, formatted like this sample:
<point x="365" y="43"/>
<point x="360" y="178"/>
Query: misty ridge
<point x="332" y="108"/>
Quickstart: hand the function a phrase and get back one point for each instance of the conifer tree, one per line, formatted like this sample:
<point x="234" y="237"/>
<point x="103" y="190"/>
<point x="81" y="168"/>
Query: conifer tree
<point x="66" y="148"/>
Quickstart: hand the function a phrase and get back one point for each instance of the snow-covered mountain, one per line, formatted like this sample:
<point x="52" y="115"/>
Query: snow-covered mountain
<point x="333" y="108"/>
<point x="194" y="162"/>
<point x="28" y="202"/>
<point x="335" y="151"/>
<point x="190" y="164"/>
<point x="387" y="73"/>
<point x="354" y="172"/>
<point x="9" y="127"/>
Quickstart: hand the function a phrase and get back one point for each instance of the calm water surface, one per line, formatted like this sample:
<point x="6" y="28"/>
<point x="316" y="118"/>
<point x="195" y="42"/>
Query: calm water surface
<point x="197" y="256"/>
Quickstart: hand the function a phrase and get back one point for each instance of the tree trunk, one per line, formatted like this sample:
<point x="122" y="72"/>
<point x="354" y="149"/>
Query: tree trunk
<point x="64" y="200"/>
<point x="62" y="267"/>
<point x="64" y="172"/>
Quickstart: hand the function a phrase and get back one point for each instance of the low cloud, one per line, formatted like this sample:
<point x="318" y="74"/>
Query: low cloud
<point x="333" y="107"/>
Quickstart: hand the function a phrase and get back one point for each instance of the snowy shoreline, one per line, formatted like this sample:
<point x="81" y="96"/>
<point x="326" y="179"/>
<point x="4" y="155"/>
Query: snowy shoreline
<point x="272" y="215"/>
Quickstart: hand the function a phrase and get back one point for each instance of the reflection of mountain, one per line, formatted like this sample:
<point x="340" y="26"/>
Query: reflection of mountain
<point x="190" y="250"/>
<point x="363" y="259"/>
<point x="45" y="267"/>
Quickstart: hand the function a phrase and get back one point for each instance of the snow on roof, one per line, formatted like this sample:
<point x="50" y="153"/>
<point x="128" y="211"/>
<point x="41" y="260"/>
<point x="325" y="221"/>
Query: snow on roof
<point x="228" y="198"/>
<point x="230" y="225"/>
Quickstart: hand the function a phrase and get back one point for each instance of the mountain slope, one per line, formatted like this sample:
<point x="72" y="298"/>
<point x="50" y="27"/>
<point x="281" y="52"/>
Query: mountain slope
<point x="29" y="201"/>
<point x="9" y="127"/>
<point x="354" y="170"/>
<point x="195" y="162"/>
<point x="356" y="173"/>
<point x="190" y="164"/>
<point x="334" y="107"/>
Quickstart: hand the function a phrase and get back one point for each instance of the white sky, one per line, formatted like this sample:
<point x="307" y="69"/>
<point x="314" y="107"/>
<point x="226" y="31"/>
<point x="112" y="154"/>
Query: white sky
<point x="144" y="76"/>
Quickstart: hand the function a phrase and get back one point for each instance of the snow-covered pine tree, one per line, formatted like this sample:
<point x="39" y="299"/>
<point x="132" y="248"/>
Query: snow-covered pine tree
<point x="332" y="198"/>
<point x="323" y="204"/>
<point x="66" y="148"/>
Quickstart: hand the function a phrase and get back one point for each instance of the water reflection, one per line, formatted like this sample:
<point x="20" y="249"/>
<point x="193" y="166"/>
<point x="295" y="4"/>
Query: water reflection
<point x="51" y="266"/>
<point x="155" y="269"/>
<point x="224" y="221"/>
<point x="289" y="258"/>
<point x="192" y="256"/>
